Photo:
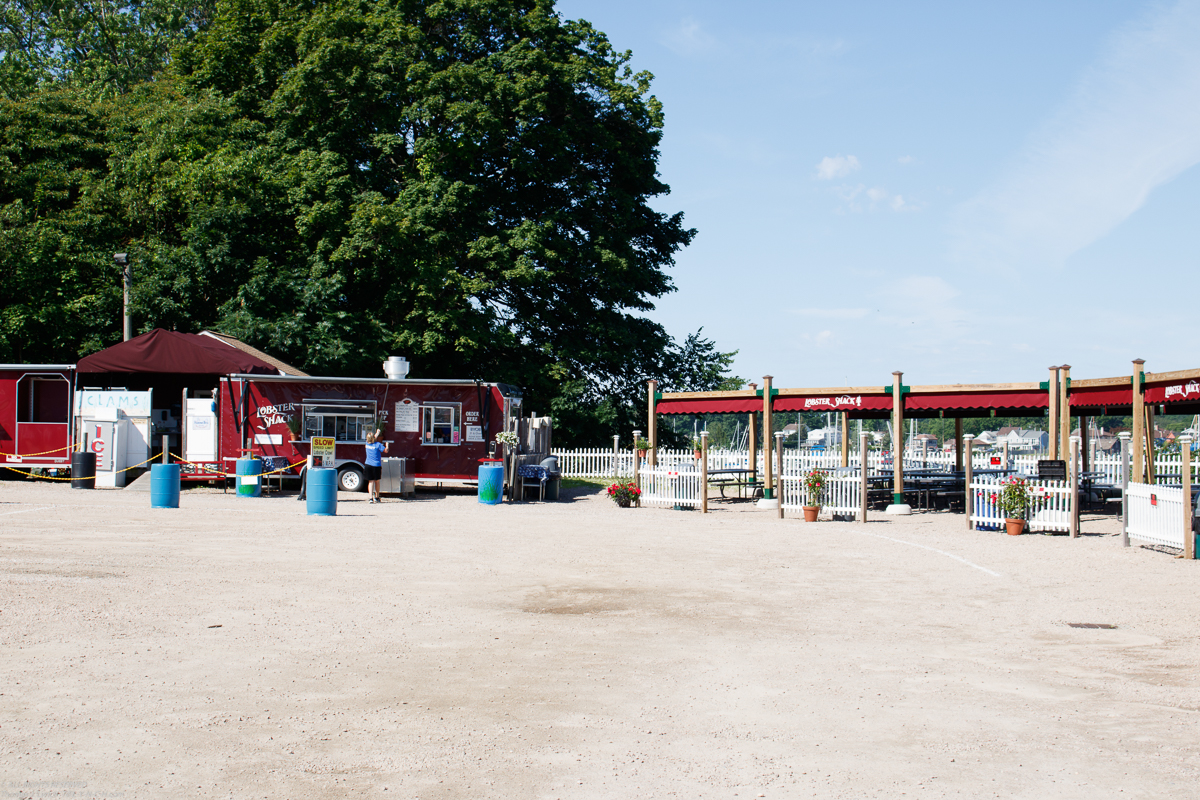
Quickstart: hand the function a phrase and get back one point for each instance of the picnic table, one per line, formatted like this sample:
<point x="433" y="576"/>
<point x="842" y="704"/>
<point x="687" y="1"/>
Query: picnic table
<point x="740" y="478"/>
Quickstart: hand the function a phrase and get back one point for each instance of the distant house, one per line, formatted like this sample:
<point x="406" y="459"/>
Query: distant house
<point x="926" y="440"/>
<point x="825" y="436"/>
<point x="986" y="437"/>
<point x="1022" y="439"/>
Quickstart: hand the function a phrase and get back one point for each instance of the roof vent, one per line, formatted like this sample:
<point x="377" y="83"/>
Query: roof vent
<point x="396" y="368"/>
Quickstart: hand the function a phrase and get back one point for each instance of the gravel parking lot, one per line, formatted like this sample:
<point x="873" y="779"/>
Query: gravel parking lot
<point x="437" y="648"/>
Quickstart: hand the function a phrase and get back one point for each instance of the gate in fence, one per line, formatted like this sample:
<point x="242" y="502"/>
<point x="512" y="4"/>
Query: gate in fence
<point x="670" y="485"/>
<point x="842" y="494"/>
<point x="1156" y="514"/>
<point x="1051" y="504"/>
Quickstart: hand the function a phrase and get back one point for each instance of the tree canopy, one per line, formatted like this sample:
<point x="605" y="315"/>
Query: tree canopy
<point x="465" y="182"/>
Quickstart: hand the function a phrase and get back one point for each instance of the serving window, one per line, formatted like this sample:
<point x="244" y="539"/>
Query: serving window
<point x="345" y="421"/>
<point x="441" y="423"/>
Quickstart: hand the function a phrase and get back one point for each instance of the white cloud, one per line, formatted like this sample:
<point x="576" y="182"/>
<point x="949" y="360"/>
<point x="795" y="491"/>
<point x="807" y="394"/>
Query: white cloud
<point x="836" y="167"/>
<point x="876" y="196"/>
<point x="1132" y="125"/>
<point x="689" y="38"/>
<point x="905" y="160"/>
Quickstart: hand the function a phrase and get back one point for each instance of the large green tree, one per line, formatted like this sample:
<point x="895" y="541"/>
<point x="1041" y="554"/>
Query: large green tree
<point x="466" y="182"/>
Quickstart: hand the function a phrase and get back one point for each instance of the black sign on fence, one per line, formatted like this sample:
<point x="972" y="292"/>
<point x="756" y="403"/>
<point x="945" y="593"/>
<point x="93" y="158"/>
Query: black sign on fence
<point x="1052" y="470"/>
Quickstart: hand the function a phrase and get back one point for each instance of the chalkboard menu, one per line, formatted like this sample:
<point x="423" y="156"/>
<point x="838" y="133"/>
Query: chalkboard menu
<point x="1052" y="470"/>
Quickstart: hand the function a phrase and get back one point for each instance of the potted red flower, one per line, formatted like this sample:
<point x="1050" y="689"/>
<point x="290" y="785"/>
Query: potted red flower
<point x="814" y="488"/>
<point x="1013" y="502"/>
<point x="623" y="494"/>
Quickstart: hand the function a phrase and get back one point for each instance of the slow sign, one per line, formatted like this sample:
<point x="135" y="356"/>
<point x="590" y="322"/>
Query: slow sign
<point x="323" y="451"/>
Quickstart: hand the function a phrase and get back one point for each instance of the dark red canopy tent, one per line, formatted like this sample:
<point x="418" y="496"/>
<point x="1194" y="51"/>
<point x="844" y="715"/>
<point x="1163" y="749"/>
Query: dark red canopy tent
<point x="718" y="405"/>
<point x="161" y="351"/>
<point x="1012" y="402"/>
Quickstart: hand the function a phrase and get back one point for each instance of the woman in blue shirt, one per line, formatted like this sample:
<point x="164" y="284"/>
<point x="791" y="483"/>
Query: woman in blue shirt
<point x="375" y="452"/>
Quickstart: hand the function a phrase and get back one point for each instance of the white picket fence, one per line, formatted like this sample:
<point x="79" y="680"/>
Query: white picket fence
<point x="601" y="463"/>
<point x="1050" y="506"/>
<point x="670" y="485"/>
<point x="842" y="493"/>
<point x="1156" y="514"/>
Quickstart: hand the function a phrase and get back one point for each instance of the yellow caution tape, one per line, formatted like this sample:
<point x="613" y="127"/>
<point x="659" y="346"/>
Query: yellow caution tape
<point x="71" y="447"/>
<point x="217" y="474"/>
<point x="220" y="474"/>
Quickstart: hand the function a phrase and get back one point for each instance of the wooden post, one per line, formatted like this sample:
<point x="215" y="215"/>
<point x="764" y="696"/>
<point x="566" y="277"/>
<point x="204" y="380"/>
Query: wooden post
<point x="767" y="483"/>
<point x="969" y="499"/>
<point x="1007" y="463"/>
<point x="845" y="439"/>
<point x="1151" y="476"/>
<point x="652" y="422"/>
<point x="166" y="449"/>
<point x="1139" y="424"/>
<point x="637" y="466"/>
<point x="1052" y="422"/>
<point x="1064" y="412"/>
<point x="958" y="444"/>
<point x="862" y="478"/>
<point x="779" y="470"/>
<point x="1189" y="538"/>
<point x="616" y="457"/>
<point x="898" y="505"/>
<point x="1124" y="436"/>
<point x="703" y="472"/>
<point x="1084" y="445"/>
<point x="753" y="465"/>
<point x="1074" y="477"/>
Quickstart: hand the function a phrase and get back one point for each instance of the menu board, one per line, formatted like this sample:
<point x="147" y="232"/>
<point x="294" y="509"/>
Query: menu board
<point x="408" y="416"/>
<point x="474" y="433"/>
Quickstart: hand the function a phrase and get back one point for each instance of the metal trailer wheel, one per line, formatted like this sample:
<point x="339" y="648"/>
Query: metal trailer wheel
<point x="350" y="479"/>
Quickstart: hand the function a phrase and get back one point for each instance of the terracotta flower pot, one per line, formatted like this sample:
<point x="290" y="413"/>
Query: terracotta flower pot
<point x="641" y="453"/>
<point x="1015" y="526"/>
<point x="811" y="512"/>
<point x="698" y="454"/>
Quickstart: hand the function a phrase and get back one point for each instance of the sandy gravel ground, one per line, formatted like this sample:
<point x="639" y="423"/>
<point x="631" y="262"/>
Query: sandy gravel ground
<point x="437" y="648"/>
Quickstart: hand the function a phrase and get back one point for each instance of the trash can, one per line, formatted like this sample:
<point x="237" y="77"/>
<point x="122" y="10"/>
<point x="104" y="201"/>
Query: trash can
<point x="83" y="470"/>
<point x="249" y="477"/>
<point x="322" y="492"/>
<point x="491" y="481"/>
<point x="164" y="486"/>
<point x="554" y="482"/>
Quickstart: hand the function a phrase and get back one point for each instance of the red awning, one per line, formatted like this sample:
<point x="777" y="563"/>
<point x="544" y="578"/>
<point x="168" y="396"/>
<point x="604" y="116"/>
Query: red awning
<point x="170" y="351"/>
<point x="1102" y="396"/>
<point x="1177" y="392"/>
<point x="835" y="402"/>
<point x="720" y="405"/>
<point x="948" y="401"/>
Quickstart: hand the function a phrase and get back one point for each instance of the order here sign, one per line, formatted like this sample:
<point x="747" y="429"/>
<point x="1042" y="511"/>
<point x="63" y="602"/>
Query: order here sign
<point x="322" y="451"/>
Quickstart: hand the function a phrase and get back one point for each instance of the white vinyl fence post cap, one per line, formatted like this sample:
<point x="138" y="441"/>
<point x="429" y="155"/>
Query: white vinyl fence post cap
<point x="1125" y="435"/>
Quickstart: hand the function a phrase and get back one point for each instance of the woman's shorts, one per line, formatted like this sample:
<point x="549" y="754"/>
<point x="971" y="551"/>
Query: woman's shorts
<point x="373" y="473"/>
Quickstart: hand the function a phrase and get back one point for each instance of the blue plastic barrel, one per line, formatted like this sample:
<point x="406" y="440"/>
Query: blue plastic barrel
<point x="249" y="477"/>
<point x="491" y="482"/>
<point x="321" y="492"/>
<point x="164" y="486"/>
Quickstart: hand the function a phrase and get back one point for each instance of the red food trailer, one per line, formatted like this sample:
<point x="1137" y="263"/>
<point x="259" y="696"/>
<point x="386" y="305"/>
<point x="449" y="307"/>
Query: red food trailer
<point x="35" y="414"/>
<point x="442" y="427"/>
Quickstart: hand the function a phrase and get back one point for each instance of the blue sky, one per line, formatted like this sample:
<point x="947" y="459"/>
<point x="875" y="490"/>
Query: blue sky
<point x="965" y="193"/>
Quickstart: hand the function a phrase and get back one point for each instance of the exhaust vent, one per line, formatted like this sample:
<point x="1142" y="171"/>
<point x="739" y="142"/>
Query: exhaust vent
<point x="396" y="368"/>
